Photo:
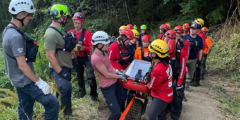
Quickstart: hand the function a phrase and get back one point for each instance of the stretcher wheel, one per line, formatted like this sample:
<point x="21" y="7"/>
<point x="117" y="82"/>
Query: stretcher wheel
<point x="134" y="112"/>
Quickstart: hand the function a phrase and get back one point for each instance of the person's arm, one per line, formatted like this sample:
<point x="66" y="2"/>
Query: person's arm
<point x="53" y="60"/>
<point x="200" y="41"/>
<point x="102" y="69"/>
<point x="88" y="37"/>
<point x="113" y="54"/>
<point x="25" y="68"/>
<point x="209" y="50"/>
<point x="200" y="54"/>
<point x="182" y="68"/>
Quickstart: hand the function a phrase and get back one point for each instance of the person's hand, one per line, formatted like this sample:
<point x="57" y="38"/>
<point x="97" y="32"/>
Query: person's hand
<point x="43" y="86"/>
<point x="118" y="72"/>
<point x="123" y="77"/>
<point x="199" y="63"/>
<point x="65" y="75"/>
<point x="179" y="90"/>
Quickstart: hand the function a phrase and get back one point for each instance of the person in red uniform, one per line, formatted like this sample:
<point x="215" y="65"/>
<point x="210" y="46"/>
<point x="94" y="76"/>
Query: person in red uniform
<point x="161" y="80"/>
<point x="163" y="29"/>
<point x="119" y="57"/>
<point x="197" y="74"/>
<point x="81" y="52"/>
<point x="186" y="28"/>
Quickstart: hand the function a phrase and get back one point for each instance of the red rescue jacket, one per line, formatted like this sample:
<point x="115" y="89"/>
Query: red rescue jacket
<point x="161" y="82"/>
<point x="201" y="34"/>
<point x="161" y="36"/>
<point x="87" y="43"/>
<point x="113" y="54"/>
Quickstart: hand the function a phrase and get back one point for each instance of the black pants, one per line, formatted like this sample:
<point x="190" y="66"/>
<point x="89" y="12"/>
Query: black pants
<point x="112" y="95"/>
<point x="81" y="62"/>
<point x="157" y="110"/>
<point x="197" y="73"/>
<point x="203" y="64"/>
<point x="65" y="87"/>
<point x="176" y="104"/>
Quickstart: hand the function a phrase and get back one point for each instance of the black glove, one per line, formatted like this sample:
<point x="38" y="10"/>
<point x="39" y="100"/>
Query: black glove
<point x="74" y="64"/>
<point x="65" y="75"/>
<point x="199" y="63"/>
<point x="179" y="90"/>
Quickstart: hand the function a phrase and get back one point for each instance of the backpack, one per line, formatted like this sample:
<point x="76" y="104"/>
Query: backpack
<point x="31" y="48"/>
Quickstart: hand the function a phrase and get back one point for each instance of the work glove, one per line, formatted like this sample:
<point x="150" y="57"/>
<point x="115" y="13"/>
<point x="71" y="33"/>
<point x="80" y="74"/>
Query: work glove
<point x="118" y="72"/>
<point x="179" y="90"/>
<point x="43" y="86"/>
<point x="124" y="60"/>
<point x="78" y="48"/>
<point x="199" y="63"/>
<point x="123" y="77"/>
<point x="65" y="75"/>
<point x="74" y="64"/>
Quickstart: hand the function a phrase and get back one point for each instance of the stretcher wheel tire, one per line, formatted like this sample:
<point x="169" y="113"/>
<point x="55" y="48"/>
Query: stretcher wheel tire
<point x="134" y="112"/>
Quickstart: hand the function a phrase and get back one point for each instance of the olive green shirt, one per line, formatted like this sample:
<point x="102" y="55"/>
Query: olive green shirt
<point x="52" y="40"/>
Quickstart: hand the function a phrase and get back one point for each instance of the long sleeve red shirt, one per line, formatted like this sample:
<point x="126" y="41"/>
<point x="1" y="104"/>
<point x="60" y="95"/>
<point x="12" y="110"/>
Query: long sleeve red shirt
<point x="87" y="43"/>
<point x="113" y="54"/>
<point x="161" y="82"/>
<point x="201" y="34"/>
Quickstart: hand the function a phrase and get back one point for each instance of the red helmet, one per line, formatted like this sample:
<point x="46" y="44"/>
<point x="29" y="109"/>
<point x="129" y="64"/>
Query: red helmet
<point x="146" y="38"/>
<point x="78" y="16"/>
<point x="130" y="26"/>
<point x="128" y="32"/>
<point x="205" y="29"/>
<point x="186" y="26"/>
<point x="178" y="29"/>
<point x="165" y="27"/>
<point x="171" y="34"/>
<point x="171" y="46"/>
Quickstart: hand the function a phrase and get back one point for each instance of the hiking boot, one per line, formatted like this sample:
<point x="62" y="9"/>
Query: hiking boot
<point x="195" y="84"/>
<point x="94" y="99"/>
<point x="174" y="117"/>
<point x="82" y="94"/>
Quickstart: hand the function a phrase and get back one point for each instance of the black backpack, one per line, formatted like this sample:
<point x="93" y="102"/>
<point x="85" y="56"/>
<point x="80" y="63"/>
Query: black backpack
<point x="31" y="48"/>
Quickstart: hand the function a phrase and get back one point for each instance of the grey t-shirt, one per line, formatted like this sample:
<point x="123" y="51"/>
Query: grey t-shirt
<point x="14" y="45"/>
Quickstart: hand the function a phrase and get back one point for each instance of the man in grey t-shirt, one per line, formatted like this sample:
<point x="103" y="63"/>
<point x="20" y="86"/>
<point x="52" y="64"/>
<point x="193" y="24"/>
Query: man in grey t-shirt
<point x="29" y="87"/>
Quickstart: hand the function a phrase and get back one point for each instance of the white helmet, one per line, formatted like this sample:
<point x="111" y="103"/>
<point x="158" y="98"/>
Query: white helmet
<point x="17" y="6"/>
<point x="100" y="37"/>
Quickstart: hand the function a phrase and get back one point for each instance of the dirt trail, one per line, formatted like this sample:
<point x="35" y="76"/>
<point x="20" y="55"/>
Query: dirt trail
<point x="201" y="105"/>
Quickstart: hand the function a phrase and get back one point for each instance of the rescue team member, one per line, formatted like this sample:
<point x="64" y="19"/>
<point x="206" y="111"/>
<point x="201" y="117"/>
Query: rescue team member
<point x="120" y="57"/>
<point x="178" y="64"/>
<point x="143" y="32"/>
<point x="207" y="49"/>
<point x="163" y="29"/>
<point x="186" y="28"/>
<point x="132" y="45"/>
<point x="197" y="75"/>
<point x="81" y="52"/>
<point x="135" y="27"/>
<point x="130" y="26"/>
<point x="106" y="73"/>
<point x="29" y="87"/>
<point x="60" y="61"/>
<point x="142" y="53"/>
<point x="121" y="28"/>
<point x="196" y="47"/>
<point x="161" y="80"/>
<point x="179" y="35"/>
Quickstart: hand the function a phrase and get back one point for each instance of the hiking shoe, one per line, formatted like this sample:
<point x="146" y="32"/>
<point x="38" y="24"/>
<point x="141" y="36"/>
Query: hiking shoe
<point x="195" y="84"/>
<point x="94" y="99"/>
<point x="174" y="117"/>
<point x="82" y="94"/>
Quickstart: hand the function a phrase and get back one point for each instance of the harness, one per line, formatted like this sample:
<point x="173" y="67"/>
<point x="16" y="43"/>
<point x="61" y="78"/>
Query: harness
<point x="175" y="63"/>
<point x="193" y="44"/>
<point x="69" y="39"/>
<point x="31" y="48"/>
<point x="145" y="58"/>
<point x="81" y="39"/>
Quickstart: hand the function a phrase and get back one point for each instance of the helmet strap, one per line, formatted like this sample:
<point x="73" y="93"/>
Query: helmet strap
<point x="20" y="20"/>
<point x="101" y="49"/>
